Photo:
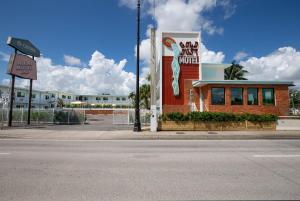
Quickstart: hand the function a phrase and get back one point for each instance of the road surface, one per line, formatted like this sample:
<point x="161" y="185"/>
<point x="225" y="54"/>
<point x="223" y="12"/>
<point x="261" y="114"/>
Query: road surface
<point x="35" y="170"/>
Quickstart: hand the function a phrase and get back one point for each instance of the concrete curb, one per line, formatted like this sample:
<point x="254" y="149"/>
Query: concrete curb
<point x="52" y="134"/>
<point x="129" y="135"/>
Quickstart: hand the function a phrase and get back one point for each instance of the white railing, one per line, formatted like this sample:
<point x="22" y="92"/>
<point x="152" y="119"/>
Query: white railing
<point x="127" y="116"/>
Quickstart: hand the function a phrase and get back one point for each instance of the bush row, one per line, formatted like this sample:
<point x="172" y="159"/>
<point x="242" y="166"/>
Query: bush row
<point x="217" y="117"/>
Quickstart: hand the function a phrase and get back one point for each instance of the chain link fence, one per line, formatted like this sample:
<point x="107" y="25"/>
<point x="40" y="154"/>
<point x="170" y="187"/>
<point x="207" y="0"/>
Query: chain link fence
<point x="43" y="116"/>
<point x="127" y="116"/>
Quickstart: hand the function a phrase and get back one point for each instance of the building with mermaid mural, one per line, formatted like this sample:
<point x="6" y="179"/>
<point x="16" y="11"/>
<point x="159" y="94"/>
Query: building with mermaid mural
<point x="186" y="84"/>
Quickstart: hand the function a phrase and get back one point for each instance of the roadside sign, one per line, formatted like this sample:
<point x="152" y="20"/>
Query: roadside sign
<point x="24" y="46"/>
<point x="22" y="66"/>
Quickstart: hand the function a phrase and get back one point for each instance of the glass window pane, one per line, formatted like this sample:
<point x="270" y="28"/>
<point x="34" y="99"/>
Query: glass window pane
<point x="217" y="96"/>
<point x="252" y="96"/>
<point x="268" y="96"/>
<point x="236" y="96"/>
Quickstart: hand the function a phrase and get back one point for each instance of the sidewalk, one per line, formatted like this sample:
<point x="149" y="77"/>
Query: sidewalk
<point x="23" y="133"/>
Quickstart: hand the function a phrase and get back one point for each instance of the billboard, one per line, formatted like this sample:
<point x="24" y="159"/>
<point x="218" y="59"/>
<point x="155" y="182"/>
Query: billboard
<point x="180" y="60"/>
<point x="22" y="66"/>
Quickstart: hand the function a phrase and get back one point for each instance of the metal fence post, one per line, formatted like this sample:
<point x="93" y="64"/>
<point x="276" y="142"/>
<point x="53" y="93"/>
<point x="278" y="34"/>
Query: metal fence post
<point x="38" y="116"/>
<point x="68" y="118"/>
<point x="53" y="114"/>
<point x="22" y="113"/>
<point x="128" y="117"/>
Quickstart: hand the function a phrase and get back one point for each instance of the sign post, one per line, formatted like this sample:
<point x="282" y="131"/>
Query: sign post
<point x="21" y="66"/>
<point x="12" y="97"/>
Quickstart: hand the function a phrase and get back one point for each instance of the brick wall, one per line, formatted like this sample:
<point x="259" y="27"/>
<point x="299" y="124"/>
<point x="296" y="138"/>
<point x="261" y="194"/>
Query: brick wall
<point x="281" y="96"/>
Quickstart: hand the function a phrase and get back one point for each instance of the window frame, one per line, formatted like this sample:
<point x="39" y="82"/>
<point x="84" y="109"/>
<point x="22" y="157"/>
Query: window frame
<point x="273" y="97"/>
<point x="224" y="101"/>
<point x="257" y="92"/>
<point x="231" y="101"/>
<point x="22" y="94"/>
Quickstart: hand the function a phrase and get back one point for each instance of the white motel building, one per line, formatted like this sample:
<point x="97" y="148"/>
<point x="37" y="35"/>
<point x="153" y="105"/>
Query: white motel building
<point x="49" y="99"/>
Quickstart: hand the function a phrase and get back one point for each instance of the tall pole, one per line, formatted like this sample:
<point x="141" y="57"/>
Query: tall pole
<point x="30" y="97"/>
<point x="137" y="122"/>
<point x="12" y="97"/>
<point x="153" y="119"/>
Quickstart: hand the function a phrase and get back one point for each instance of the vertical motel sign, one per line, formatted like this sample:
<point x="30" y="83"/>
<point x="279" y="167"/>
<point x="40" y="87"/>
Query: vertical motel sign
<point x="23" y="66"/>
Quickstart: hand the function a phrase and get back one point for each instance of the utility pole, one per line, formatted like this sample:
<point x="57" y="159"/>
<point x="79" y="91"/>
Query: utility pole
<point x="153" y="123"/>
<point x="137" y="122"/>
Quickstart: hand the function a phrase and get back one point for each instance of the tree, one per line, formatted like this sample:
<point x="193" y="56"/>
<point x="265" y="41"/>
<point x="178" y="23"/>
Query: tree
<point x="144" y="95"/>
<point x="60" y="103"/>
<point x="294" y="95"/>
<point x="235" y="72"/>
<point x="131" y="97"/>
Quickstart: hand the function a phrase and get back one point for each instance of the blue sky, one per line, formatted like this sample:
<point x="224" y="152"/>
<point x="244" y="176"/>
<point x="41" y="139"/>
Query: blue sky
<point x="253" y="28"/>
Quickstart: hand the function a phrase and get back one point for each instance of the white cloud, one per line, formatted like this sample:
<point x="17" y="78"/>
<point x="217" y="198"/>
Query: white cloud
<point x="282" y="64"/>
<point x="209" y="56"/>
<point x="4" y="56"/>
<point x="103" y="75"/>
<point x="240" y="56"/>
<point x="179" y="15"/>
<point x="228" y="7"/>
<point x="72" y="61"/>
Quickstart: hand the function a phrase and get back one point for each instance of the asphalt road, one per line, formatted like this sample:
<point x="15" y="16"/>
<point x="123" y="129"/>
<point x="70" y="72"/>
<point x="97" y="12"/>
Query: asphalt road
<point x="35" y="170"/>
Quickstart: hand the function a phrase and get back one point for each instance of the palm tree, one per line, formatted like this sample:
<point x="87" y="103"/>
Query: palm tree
<point x="294" y="95"/>
<point x="145" y="95"/>
<point x="131" y="96"/>
<point x="235" y="72"/>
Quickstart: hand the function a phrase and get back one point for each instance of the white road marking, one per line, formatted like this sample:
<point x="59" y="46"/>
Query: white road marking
<point x="276" y="156"/>
<point x="4" y="153"/>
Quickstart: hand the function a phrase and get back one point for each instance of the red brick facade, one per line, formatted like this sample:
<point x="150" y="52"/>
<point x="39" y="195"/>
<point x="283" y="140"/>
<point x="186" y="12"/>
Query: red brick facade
<point x="281" y="97"/>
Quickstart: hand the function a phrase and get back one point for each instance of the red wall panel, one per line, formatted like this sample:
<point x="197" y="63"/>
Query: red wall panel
<point x="187" y="71"/>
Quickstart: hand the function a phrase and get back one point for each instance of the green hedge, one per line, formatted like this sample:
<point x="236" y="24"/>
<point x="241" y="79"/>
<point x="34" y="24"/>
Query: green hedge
<point x="217" y="117"/>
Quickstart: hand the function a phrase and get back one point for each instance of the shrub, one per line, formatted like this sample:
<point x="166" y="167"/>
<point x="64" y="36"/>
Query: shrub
<point x="217" y="117"/>
<point x="175" y="116"/>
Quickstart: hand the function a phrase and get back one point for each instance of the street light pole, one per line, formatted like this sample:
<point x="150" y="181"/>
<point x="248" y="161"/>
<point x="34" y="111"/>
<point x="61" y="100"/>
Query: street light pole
<point x="137" y="122"/>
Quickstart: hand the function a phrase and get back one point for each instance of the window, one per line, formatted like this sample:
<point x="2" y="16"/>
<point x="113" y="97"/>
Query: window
<point x="118" y="98"/>
<point x="20" y="94"/>
<point x="69" y="97"/>
<point x="123" y="99"/>
<point x="268" y="96"/>
<point x="52" y="95"/>
<point x="98" y="98"/>
<point x="63" y="96"/>
<point x="236" y="96"/>
<point x="33" y="96"/>
<point x="252" y="96"/>
<point x="85" y="98"/>
<point x="105" y="98"/>
<point x="46" y="97"/>
<point x="217" y="96"/>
